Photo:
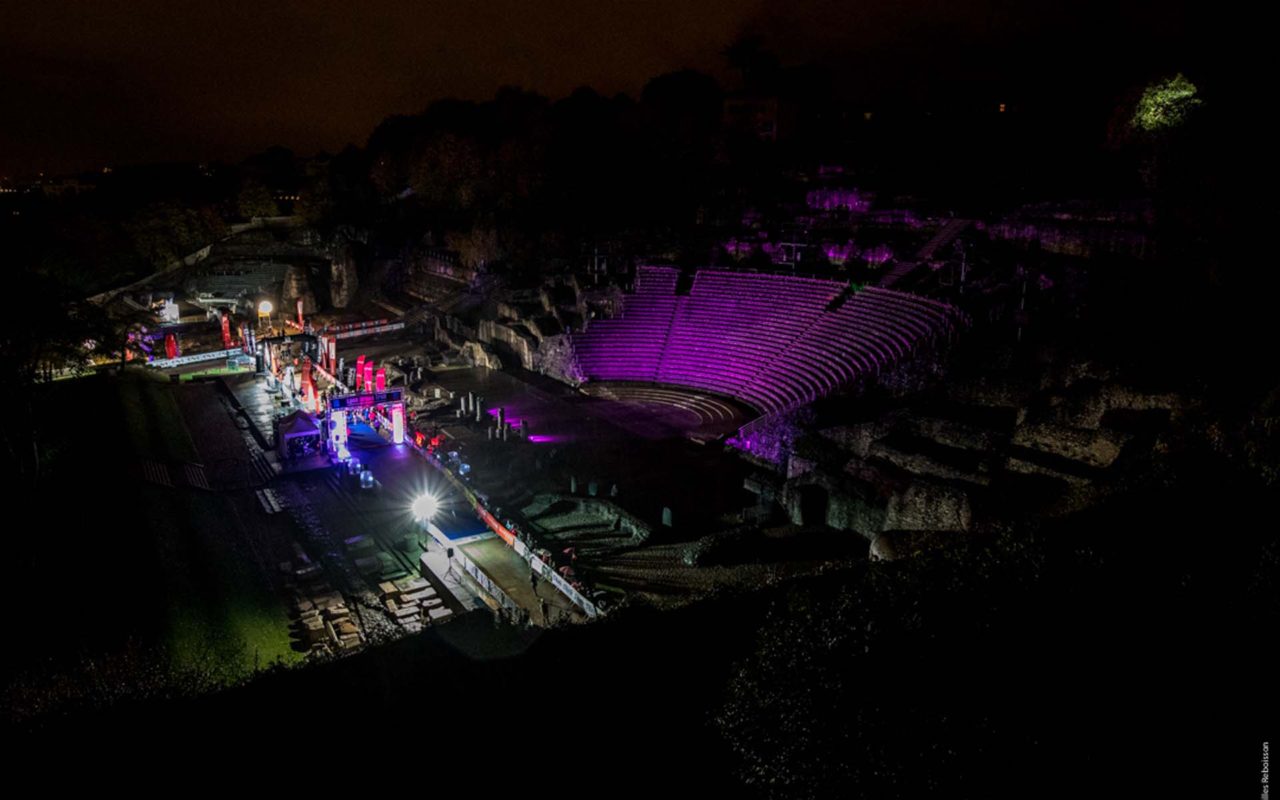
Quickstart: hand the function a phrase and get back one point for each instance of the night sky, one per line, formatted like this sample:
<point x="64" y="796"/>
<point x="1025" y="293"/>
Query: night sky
<point x="85" y="84"/>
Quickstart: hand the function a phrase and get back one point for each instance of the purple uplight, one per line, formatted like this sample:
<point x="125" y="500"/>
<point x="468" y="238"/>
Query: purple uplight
<point x="738" y="249"/>
<point x="542" y="438"/>
<point x="839" y="253"/>
<point x="896" y="216"/>
<point x="513" y="421"/>
<point x="838" y="200"/>
<point x="878" y="255"/>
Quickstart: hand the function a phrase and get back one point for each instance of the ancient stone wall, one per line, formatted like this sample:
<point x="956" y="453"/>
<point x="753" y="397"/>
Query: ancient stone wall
<point x="929" y="507"/>
<point x="477" y="355"/>
<point x="1083" y="241"/>
<point x="627" y="521"/>
<point x="343" y="277"/>
<point x="442" y="264"/>
<point x="297" y="285"/>
<point x="847" y="509"/>
<point x="520" y="341"/>
<point x="1092" y="447"/>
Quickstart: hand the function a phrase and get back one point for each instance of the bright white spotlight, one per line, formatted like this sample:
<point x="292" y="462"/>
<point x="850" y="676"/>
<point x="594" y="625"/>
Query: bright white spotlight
<point x="265" y="308"/>
<point x="425" y="507"/>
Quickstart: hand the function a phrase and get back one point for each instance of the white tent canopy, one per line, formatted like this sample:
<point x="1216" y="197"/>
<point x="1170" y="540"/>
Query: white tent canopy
<point x="298" y="425"/>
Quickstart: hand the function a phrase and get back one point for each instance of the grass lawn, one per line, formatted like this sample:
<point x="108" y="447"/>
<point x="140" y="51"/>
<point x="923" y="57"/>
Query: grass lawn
<point x="153" y="422"/>
<point x="223" y="620"/>
<point x="113" y="565"/>
<point x="188" y="376"/>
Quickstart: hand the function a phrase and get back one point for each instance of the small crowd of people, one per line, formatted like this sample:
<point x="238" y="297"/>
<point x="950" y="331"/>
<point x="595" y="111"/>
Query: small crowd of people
<point x="302" y="447"/>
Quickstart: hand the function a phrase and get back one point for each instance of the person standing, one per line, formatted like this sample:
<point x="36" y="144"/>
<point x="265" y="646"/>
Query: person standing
<point x="542" y="606"/>
<point x="533" y="581"/>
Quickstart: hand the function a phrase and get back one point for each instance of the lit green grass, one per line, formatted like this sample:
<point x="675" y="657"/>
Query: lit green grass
<point x="212" y="371"/>
<point x="223" y="620"/>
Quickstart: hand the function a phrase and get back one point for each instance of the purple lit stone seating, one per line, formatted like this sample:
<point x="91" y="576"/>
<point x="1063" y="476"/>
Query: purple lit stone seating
<point x="709" y="409"/>
<point x="630" y="347"/>
<point x="767" y="339"/>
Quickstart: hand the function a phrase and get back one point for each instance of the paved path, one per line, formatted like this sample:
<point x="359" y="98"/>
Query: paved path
<point x="507" y="569"/>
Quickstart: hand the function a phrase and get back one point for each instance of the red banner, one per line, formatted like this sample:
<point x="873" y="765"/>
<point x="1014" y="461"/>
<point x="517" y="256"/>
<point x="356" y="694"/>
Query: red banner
<point x="495" y="526"/>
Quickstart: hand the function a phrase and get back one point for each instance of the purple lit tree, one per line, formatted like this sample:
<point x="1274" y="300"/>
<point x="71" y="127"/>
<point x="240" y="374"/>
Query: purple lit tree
<point x="773" y="437"/>
<point x="877" y="256"/>
<point x="839" y="253"/>
<point x="837" y="200"/>
<point x="738" y="250"/>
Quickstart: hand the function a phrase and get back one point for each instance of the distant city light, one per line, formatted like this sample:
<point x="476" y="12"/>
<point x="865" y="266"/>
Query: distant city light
<point x="425" y="507"/>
